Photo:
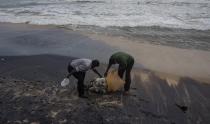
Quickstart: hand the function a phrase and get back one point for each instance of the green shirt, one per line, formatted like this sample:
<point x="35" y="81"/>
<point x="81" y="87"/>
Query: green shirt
<point x="122" y="58"/>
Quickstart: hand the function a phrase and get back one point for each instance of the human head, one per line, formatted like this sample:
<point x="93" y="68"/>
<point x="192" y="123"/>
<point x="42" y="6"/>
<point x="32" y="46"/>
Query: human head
<point x="95" y="63"/>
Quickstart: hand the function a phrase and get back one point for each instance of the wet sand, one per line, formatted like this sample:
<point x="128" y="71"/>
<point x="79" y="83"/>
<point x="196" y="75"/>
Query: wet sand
<point x="22" y="39"/>
<point x="164" y="60"/>
<point x="161" y="86"/>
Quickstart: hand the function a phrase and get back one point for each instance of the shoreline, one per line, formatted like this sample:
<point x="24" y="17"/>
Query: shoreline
<point x="173" y="37"/>
<point x="83" y="25"/>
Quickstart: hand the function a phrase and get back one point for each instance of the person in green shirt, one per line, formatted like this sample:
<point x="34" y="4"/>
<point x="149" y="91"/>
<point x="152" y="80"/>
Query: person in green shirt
<point x="125" y="62"/>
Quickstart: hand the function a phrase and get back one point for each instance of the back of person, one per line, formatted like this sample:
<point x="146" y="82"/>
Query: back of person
<point x="122" y="58"/>
<point x="81" y="64"/>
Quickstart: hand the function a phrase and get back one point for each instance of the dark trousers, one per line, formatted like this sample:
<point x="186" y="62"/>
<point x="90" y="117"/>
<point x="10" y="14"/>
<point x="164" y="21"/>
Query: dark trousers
<point x="127" y="69"/>
<point x="80" y="76"/>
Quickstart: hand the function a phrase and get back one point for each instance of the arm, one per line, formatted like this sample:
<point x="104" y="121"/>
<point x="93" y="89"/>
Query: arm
<point x="74" y="70"/>
<point x="94" y="70"/>
<point x="110" y="64"/>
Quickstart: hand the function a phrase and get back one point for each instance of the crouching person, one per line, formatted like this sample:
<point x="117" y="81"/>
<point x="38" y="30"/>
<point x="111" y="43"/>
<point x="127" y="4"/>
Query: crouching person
<point x="78" y="68"/>
<point x="125" y="62"/>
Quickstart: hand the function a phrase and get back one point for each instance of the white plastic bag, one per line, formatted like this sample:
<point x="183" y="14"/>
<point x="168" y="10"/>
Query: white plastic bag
<point x="65" y="82"/>
<point x="98" y="86"/>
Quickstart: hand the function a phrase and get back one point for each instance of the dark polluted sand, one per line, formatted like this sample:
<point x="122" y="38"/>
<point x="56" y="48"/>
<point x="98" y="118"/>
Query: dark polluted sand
<point x="30" y="93"/>
<point x="22" y="39"/>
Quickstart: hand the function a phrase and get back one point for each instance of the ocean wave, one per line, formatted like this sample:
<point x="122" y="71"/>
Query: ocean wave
<point x="172" y="14"/>
<point x="87" y="1"/>
<point x="44" y="21"/>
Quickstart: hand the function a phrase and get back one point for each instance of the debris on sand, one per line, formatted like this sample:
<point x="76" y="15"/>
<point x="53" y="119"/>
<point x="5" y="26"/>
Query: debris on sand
<point x="183" y="108"/>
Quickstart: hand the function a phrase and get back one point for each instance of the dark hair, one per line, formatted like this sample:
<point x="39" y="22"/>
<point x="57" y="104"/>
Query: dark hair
<point x="95" y="63"/>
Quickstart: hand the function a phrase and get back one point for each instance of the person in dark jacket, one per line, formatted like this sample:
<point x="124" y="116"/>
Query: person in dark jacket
<point x="78" y="68"/>
<point x="125" y="62"/>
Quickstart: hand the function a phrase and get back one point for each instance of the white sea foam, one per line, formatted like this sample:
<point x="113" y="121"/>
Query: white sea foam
<point x="188" y="14"/>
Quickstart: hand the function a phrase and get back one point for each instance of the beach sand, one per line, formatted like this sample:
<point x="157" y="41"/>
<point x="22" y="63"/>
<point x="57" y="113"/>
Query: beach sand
<point x="34" y="59"/>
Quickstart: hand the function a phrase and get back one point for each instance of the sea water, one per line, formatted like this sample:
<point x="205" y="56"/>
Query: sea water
<point x="186" y="14"/>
